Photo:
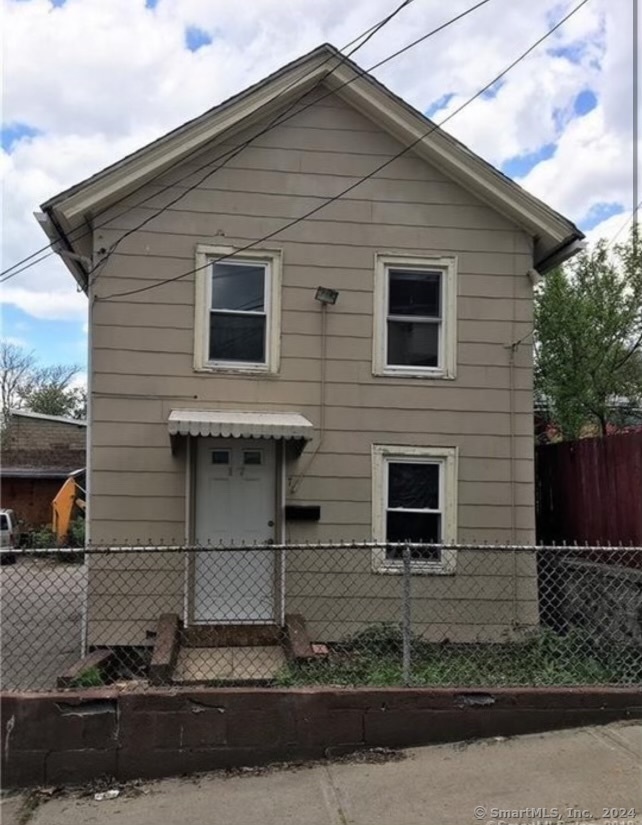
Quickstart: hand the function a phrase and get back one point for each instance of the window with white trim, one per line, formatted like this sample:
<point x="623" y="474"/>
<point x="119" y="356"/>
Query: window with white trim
<point x="415" y="500"/>
<point x="415" y="316"/>
<point x="237" y="310"/>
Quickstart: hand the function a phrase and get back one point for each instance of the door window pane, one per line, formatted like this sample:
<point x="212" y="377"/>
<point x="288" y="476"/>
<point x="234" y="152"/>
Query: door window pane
<point x="413" y="344"/>
<point x="237" y="337"/>
<point x="252" y="457"/>
<point x="220" y="456"/>
<point x="240" y="287"/>
<point x="413" y="485"/>
<point x="415" y="293"/>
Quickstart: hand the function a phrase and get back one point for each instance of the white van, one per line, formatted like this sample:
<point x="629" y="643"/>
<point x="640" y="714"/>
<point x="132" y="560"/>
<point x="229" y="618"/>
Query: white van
<point x="8" y="536"/>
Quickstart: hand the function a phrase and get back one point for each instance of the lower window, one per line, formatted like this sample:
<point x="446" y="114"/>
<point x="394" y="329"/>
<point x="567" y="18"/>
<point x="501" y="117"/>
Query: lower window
<point x="414" y="501"/>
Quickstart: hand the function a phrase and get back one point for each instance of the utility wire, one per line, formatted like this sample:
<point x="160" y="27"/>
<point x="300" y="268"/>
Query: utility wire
<point x="281" y="118"/>
<point x="353" y="186"/>
<point x="364" y="37"/>
<point x="625" y="224"/>
<point x="27" y="265"/>
<point x="360" y="73"/>
<point x="274" y="122"/>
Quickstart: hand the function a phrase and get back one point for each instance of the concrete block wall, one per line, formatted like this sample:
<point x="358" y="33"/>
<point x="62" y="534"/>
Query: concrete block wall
<point x="38" y="442"/>
<point x="78" y="736"/>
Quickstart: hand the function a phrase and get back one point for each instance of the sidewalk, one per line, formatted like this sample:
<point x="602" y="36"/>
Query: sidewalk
<point x="588" y="770"/>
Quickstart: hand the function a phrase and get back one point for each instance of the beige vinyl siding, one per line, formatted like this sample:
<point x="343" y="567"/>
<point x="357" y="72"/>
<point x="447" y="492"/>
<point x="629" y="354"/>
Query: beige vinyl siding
<point x="143" y="367"/>
<point x="492" y="597"/>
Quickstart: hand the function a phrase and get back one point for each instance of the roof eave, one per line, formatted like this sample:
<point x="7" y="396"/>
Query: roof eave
<point x="569" y="247"/>
<point x="553" y="235"/>
<point x="548" y="228"/>
<point x="171" y="148"/>
<point x="59" y="243"/>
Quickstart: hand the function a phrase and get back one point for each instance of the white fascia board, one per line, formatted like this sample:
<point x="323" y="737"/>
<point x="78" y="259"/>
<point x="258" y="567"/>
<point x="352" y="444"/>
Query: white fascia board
<point x="453" y="159"/>
<point x="75" y="267"/>
<point x="172" y="149"/>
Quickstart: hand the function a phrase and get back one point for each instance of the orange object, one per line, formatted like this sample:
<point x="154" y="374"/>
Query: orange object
<point x="68" y="500"/>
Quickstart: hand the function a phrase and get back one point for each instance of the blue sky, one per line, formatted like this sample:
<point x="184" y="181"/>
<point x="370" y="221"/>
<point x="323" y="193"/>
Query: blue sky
<point x="125" y="71"/>
<point x="12" y="133"/>
<point x="54" y="341"/>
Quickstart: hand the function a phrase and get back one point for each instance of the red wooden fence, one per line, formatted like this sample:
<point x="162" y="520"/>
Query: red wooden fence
<point x="590" y="490"/>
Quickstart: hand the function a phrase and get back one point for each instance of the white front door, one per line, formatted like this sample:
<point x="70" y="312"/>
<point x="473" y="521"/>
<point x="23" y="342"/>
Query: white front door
<point x="235" y="504"/>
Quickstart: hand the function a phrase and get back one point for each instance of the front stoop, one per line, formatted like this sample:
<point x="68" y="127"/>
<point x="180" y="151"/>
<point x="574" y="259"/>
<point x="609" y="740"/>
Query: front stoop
<point x="233" y="654"/>
<point x="232" y="665"/>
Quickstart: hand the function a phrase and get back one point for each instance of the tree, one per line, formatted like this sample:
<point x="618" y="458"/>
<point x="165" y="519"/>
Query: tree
<point x="588" y="338"/>
<point x="16" y="375"/>
<point x="55" y="400"/>
<point x="24" y="384"/>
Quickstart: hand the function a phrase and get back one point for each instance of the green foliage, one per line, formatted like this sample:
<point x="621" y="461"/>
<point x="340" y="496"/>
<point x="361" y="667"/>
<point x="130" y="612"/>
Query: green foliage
<point x="92" y="677"/>
<point x="381" y="637"/>
<point x="76" y="536"/>
<point x="588" y="334"/>
<point x="547" y="658"/>
<point x="25" y="384"/>
<point x="42" y="539"/>
<point x="56" y="400"/>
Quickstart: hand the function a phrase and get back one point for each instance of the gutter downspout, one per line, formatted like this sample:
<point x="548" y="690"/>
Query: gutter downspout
<point x="88" y="466"/>
<point x="84" y="278"/>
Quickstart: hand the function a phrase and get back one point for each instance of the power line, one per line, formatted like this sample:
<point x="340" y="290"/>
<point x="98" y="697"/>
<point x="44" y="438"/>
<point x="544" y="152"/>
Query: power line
<point x="364" y="37"/>
<point x="27" y="265"/>
<point x="234" y="150"/>
<point x="625" y="224"/>
<point x="371" y="174"/>
<point x="281" y="118"/>
<point x="274" y="122"/>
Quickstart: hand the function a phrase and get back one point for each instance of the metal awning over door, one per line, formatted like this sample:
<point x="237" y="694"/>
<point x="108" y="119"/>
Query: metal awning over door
<point x="240" y="424"/>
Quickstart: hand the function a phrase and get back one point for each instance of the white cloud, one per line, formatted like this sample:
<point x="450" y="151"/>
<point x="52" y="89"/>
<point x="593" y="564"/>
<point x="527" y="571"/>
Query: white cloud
<point x="593" y="162"/>
<point x="63" y="304"/>
<point x="13" y="339"/>
<point x="79" y="381"/>
<point x="615" y="229"/>
<point x="99" y="79"/>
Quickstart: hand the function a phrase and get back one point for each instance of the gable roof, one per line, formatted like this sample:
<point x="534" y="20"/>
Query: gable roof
<point x="555" y="237"/>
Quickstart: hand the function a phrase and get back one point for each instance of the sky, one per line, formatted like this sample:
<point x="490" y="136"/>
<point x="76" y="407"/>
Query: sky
<point x="87" y="81"/>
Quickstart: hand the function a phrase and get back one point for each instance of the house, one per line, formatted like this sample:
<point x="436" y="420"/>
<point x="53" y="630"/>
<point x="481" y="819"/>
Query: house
<point x="38" y="453"/>
<point x="354" y="375"/>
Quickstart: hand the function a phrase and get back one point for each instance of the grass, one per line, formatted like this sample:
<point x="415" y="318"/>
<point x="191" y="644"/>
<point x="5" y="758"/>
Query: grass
<point x="373" y="658"/>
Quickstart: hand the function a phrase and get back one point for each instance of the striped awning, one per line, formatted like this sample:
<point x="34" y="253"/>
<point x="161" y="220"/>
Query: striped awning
<point x="233" y="424"/>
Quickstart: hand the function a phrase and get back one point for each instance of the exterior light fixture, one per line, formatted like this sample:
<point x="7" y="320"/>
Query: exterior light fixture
<point x="325" y="295"/>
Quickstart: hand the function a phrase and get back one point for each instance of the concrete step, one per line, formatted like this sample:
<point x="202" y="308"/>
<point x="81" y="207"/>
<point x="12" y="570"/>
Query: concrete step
<point x="240" y="665"/>
<point x="231" y="635"/>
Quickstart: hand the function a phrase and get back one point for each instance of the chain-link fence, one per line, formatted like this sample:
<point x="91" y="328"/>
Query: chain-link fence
<point x="322" y="614"/>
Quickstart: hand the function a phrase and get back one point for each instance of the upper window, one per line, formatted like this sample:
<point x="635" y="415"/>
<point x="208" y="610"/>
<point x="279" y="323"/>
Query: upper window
<point x="237" y="310"/>
<point x="415" y="316"/>
<point x="414" y="501"/>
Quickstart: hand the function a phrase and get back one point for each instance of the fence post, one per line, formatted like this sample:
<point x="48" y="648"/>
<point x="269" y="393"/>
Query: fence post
<point x="406" y="628"/>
